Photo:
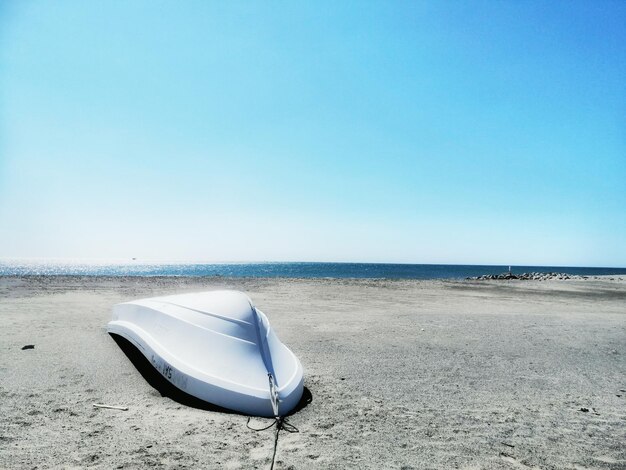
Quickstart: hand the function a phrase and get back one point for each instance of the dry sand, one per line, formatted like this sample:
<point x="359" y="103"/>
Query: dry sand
<point x="402" y="374"/>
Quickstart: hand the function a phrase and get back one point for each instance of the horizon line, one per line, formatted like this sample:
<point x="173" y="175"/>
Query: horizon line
<point x="126" y="261"/>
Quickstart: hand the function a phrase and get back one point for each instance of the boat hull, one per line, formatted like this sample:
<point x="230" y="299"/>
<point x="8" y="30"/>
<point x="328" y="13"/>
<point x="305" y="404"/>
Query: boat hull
<point x="205" y="350"/>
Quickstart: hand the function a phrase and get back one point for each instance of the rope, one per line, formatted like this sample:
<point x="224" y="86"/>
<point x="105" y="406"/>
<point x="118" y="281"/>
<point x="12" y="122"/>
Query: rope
<point x="281" y="423"/>
<point x="273" y="394"/>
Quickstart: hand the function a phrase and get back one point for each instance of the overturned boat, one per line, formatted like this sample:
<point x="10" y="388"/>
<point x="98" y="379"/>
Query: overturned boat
<point x="215" y="346"/>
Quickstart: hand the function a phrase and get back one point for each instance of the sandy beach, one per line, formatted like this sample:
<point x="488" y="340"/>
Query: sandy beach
<point x="401" y="374"/>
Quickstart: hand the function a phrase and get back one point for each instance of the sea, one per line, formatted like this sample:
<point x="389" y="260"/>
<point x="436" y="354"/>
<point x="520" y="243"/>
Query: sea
<point x="284" y="269"/>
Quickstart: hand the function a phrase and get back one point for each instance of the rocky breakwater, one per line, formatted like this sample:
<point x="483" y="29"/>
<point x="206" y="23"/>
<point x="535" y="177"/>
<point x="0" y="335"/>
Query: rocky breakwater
<point x="526" y="277"/>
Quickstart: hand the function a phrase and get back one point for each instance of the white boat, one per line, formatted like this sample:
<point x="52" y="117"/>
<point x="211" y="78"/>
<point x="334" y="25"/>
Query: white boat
<point x="215" y="346"/>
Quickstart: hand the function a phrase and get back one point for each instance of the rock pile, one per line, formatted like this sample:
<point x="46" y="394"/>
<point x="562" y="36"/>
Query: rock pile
<point x="526" y="276"/>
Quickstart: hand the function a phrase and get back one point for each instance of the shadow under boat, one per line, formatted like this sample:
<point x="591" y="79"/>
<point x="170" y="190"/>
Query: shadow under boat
<point x="167" y="389"/>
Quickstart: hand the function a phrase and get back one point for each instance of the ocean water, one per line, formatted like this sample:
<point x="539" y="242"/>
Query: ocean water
<point x="291" y="270"/>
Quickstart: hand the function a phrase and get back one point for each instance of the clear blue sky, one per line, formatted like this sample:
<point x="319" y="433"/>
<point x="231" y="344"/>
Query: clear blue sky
<point x="426" y="132"/>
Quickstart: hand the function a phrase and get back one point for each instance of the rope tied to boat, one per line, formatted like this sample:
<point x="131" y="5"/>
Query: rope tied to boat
<point x="280" y="422"/>
<point x="273" y="394"/>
